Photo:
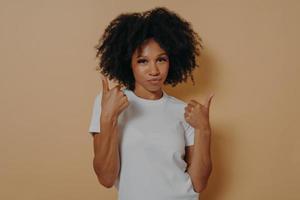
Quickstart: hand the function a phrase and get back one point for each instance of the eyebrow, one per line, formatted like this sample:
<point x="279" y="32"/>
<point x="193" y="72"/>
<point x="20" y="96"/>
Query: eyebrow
<point x="157" y="55"/>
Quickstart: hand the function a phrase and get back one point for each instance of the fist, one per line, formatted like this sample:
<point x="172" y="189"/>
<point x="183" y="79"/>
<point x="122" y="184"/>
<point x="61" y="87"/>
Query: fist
<point x="113" y="101"/>
<point x="197" y="114"/>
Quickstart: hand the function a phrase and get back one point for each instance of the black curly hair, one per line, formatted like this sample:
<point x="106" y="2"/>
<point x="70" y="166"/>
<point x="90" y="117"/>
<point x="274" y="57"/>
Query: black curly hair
<point x="128" y="31"/>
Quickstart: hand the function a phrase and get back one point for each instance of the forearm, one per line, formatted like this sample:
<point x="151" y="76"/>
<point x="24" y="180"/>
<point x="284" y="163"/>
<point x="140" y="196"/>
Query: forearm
<point x="201" y="164"/>
<point x="106" y="161"/>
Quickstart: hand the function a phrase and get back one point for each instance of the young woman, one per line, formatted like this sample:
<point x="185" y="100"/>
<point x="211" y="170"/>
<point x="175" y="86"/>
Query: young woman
<point x="148" y="144"/>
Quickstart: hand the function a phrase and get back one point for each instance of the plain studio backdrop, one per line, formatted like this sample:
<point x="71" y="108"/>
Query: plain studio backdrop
<point x="48" y="84"/>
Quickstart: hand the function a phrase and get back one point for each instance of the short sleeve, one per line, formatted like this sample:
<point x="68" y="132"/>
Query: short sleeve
<point x="189" y="133"/>
<point x="95" y="115"/>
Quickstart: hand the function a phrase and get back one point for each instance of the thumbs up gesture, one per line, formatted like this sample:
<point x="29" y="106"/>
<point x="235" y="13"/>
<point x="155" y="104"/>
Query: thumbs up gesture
<point x="197" y="114"/>
<point x="113" y="101"/>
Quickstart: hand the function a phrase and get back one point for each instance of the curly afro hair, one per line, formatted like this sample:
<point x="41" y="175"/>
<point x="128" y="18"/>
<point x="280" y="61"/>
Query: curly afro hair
<point x="128" y="31"/>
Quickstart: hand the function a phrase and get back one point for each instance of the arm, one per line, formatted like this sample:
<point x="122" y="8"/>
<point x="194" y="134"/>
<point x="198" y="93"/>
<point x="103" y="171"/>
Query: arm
<point x="199" y="160"/>
<point x="106" y="162"/>
<point x="200" y="167"/>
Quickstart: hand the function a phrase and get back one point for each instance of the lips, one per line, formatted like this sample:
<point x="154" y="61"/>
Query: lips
<point x="154" y="81"/>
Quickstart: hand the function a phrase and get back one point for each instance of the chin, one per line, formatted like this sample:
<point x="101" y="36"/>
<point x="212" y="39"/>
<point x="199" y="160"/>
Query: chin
<point x="154" y="88"/>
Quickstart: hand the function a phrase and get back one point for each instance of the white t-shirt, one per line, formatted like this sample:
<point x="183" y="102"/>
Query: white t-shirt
<point x="153" y="136"/>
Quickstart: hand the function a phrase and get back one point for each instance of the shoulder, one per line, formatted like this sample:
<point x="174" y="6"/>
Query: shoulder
<point x="176" y="101"/>
<point x="175" y="107"/>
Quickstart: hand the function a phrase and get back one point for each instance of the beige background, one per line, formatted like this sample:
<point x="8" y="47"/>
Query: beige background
<point x="48" y="84"/>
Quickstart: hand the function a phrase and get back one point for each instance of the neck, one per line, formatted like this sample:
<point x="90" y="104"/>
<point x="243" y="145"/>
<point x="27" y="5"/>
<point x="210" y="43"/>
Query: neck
<point x="146" y="94"/>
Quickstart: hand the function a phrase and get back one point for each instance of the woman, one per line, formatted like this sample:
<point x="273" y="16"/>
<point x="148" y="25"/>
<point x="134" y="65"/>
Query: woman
<point x="151" y="145"/>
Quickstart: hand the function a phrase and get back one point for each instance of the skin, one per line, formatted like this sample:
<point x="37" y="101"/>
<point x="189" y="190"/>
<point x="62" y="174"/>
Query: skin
<point x="150" y="62"/>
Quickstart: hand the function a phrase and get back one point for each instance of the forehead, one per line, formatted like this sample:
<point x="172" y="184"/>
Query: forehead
<point x="149" y="47"/>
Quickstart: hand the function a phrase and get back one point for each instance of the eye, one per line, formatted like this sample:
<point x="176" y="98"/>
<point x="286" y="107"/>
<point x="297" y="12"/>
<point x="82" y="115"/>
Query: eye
<point x="162" y="59"/>
<point x="141" y="61"/>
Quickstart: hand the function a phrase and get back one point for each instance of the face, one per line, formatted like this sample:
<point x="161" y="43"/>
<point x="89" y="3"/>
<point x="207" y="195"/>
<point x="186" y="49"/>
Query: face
<point x="150" y="66"/>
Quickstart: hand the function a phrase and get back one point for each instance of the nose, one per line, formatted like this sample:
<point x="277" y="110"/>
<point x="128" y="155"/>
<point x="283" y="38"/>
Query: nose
<point x="154" y="70"/>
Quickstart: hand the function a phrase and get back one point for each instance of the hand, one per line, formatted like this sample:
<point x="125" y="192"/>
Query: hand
<point x="197" y="115"/>
<point x="113" y="101"/>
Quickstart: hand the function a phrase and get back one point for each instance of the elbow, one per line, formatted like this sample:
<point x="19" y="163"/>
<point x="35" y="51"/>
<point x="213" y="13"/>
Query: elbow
<point x="105" y="179"/>
<point x="201" y="184"/>
<point x="200" y="187"/>
<point x="108" y="183"/>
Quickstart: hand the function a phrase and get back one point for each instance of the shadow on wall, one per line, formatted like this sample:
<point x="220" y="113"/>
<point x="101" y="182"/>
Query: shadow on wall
<point x="203" y="78"/>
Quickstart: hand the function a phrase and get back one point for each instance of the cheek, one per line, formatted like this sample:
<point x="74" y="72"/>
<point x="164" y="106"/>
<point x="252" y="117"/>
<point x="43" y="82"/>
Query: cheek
<point x="165" y="70"/>
<point x="138" y="74"/>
